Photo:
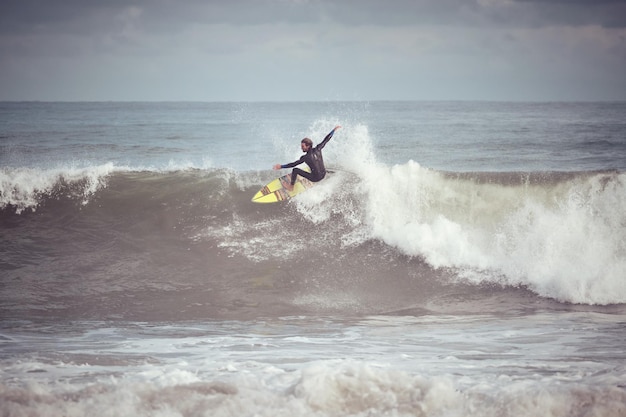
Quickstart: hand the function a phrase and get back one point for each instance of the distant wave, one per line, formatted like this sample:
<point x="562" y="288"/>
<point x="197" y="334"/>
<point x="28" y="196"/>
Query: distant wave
<point x="26" y="188"/>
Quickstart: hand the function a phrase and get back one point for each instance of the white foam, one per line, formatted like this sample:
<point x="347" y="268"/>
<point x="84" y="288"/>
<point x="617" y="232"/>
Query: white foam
<point x="332" y="387"/>
<point x="352" y="388"/>
<point x="564" y="240"/>
<point x="573" y="250"/>
<point x="250" y="240"/>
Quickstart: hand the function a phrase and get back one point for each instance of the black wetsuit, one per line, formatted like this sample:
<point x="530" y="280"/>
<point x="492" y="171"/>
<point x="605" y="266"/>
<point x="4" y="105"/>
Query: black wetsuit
<point x="313" y="158"/>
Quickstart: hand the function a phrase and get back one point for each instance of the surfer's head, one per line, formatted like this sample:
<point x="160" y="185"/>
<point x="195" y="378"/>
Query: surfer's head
<point x="306" y="144"/>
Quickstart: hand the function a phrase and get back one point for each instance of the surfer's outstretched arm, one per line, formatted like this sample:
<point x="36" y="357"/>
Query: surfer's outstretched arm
<point x="289" y="165"/>
<point x="327" y="138"/>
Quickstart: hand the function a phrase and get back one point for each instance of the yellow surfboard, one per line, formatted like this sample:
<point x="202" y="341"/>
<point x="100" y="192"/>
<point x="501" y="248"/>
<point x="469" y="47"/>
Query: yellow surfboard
<point x="275" y="191"/>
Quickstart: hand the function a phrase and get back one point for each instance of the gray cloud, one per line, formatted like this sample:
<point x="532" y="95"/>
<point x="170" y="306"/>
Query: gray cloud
<point x="312" y="49"/>
<point x="606" y="13"/>
<point x="19" y="16"/>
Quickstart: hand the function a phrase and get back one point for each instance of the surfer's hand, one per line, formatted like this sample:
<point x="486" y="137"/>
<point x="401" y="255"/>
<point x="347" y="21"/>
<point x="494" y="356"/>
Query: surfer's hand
<point x="337" y="127"/>
<point x="276" y="167"/>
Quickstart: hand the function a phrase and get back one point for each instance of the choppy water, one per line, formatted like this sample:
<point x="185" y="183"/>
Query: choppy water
<point x="462" y="259"/>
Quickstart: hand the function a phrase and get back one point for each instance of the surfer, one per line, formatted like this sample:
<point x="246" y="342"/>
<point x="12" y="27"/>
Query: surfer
<point x="312" y="157"/>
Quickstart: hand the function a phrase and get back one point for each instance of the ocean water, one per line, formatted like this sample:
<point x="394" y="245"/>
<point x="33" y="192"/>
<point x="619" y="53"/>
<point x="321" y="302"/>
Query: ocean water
<point x="462" y="259"/>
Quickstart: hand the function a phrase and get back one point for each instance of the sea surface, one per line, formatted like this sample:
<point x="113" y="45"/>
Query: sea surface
<point x="460" y="259"/>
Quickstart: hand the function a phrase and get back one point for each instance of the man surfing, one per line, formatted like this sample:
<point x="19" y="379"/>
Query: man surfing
<point x="312" y="157"/>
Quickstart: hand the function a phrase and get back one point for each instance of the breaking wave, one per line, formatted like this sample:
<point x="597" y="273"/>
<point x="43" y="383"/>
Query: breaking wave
<point x="561" y="235"/>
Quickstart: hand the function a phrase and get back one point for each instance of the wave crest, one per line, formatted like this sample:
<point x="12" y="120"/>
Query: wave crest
<point x="25" y="188"/>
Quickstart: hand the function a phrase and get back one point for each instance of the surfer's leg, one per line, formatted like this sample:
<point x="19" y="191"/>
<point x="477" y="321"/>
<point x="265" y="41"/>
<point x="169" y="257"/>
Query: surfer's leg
<point x="298" y="171"/>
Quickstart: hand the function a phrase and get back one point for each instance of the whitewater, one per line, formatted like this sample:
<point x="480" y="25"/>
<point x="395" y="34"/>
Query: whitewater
<point x="461" y="258"/>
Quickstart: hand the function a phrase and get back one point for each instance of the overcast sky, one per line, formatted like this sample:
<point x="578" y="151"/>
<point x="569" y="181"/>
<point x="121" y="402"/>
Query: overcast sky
<point x="302" y="50"/>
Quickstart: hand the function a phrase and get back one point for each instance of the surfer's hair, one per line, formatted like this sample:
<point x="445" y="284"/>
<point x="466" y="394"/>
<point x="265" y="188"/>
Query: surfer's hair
<point x="308" y="142"/>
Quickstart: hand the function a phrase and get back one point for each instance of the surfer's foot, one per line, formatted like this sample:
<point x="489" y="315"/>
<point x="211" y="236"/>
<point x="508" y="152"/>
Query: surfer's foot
<point x="286" y="183"/>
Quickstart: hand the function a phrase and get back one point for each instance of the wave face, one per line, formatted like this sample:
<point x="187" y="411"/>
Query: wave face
<point x="369" y="239"/>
